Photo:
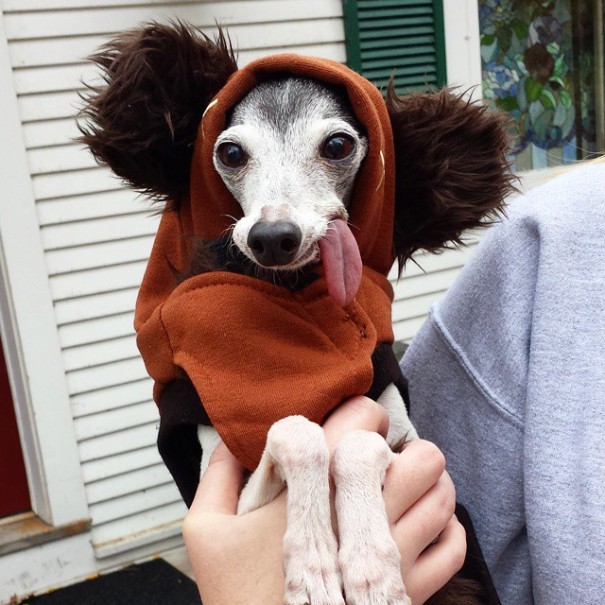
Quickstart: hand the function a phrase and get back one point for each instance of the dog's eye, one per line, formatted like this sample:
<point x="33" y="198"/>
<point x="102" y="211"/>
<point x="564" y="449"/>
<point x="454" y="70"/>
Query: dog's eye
<point x="231" y="155"/>
<point x="337" y="147"/>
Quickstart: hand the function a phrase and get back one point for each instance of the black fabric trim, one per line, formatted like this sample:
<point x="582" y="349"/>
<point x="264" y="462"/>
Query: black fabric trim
<point x="386" y="372"/>
<point x="181" y="412"/>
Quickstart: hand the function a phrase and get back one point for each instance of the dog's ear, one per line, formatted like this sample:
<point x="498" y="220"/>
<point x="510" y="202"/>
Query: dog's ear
<point x="143" y="120"/>
<point x="452" y="173"/>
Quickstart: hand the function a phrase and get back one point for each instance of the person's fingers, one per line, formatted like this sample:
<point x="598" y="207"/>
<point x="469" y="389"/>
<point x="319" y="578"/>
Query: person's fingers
<point x="218" y="491"/>
<point x="411" y="474"/>
<point x="355" y="414"/>
<point x="435" y="566"/>
<point x="425" y="519"/>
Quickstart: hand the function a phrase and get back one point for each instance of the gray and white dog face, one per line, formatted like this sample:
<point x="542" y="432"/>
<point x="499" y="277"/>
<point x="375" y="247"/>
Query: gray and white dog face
<point x="289" y="157"/>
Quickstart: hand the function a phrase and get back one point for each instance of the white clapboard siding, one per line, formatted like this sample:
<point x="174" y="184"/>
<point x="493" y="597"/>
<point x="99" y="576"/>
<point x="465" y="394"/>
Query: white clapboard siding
<point x="99" y="255"/>
<point x="106" y="422"/>
<point x="106" y="375"/>
<point x="144" y="478"/>
<point x="118" y="443"/>
<point x="97" y="235"/>
<point x="144" y="528"/>
<point x="96" y="306"/>
<point x="111" y="398"/>
<point x="92" y="206"/>
<point x="67" y="157"/>
<point x="99" y="353"/>
<point x="103" y="229"/>
<point x="48" y="134"/>
<point x="100" y="469"/>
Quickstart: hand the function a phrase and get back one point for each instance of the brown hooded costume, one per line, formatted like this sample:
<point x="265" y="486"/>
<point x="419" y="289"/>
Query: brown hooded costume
<point x="239" y="353"/>
<point x="256" y="352"/>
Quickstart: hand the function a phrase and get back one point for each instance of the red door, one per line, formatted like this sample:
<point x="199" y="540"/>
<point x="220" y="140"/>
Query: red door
<point x="14" y="493"/>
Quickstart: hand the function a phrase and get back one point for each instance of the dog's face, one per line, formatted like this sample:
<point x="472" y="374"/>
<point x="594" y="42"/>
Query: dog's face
<point x="289" y="157"/>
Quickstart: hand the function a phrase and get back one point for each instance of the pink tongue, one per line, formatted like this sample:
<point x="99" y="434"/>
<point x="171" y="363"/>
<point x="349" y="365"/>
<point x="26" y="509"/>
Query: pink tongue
<point x="341" y="261"/>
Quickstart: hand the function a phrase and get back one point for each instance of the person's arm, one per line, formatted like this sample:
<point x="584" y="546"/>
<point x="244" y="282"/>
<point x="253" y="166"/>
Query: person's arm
<point x="237" y="559"/>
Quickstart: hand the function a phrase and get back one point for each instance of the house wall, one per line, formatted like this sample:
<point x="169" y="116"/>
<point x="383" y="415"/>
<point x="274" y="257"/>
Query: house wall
<point x="90" y="239"/>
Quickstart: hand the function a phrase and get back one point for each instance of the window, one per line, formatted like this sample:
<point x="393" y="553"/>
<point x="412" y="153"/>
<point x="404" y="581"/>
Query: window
<point x="542" y="62"/>
<point x="403" y="38"/>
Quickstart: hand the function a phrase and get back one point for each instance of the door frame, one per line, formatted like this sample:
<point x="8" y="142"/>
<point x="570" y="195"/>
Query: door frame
<point x="29" y="332"/>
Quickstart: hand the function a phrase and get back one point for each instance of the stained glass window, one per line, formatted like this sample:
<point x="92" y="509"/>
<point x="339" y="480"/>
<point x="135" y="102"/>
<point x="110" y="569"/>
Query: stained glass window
<point x="542" y="62"/>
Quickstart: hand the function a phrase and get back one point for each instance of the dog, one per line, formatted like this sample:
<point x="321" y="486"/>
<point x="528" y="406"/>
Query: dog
<point x="294" y="151"/>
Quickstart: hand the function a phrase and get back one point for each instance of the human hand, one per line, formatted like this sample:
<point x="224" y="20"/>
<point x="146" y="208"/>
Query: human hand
<point x="237" y="559"/>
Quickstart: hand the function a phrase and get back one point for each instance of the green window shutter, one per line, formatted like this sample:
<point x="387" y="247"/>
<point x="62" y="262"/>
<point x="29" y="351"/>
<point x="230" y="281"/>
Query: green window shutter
<point x="404" y="38"/>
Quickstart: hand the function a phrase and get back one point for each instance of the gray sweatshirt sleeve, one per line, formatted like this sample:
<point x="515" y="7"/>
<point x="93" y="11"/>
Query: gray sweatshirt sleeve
<point x="507" y="376"/>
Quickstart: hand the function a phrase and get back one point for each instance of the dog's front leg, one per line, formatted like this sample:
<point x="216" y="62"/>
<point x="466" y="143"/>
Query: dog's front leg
<point x="297" y="454"/>
<point x="368" y="556"/>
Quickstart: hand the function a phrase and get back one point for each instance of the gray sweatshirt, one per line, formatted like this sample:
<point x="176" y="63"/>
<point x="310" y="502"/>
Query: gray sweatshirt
<point x="507" y="376"/>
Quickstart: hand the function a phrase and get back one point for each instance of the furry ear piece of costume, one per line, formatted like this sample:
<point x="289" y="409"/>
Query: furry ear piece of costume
<point x="451" y="170"/>
<point x="143" y="121"/>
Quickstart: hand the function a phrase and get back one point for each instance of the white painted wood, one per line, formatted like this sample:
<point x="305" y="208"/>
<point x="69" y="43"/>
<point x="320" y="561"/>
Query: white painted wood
<point x="92" y="180"/>
<point x="20" y="25"/>
<point x="46" y="134"/>
<point x="272" y="36"/>
<point x="55" y="78"/>
<point x="82" y="283"/>
<point x="98" y="353"/>
<point x="106" y="423"/>
<point x="27" y="5"/>
<point x="415" y="307"/>
<point x="134" y="503"/>
<point x="128" y="483"/>
<point x="49" y="105"/>
<point x="95" y="306"/>
<point x="49" y="442"/>
<point x="59" y="159"/>
<point x="166" y="534"/>
<point x="111" y="374"/>
<point x="128" y="440"/>
<point x="49" y="565"/>
<point x="328" y="49"/>
<point x="104" y="204"/>
<point x="53" y="51"/>
<point x="171" y="513"/>
<point x="105" y="254"/>
<point x="120" y="464"/>
<point x="111" y="398"/>
<point x="427" y="263"/>
<point x="406" y="329"/>
<point x="462" y="45"/>
<point x="96" y="330"/>
<point x="103" y="229"/>
<point x="437" y="281"/>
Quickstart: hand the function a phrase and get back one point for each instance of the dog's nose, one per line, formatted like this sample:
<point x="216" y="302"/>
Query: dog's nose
<point x="274" y="244"/>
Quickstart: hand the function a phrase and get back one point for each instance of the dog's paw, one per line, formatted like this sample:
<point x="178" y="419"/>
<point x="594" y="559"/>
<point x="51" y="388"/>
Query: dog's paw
<point x="373" y="577"/>
<point x="311" y="570"/>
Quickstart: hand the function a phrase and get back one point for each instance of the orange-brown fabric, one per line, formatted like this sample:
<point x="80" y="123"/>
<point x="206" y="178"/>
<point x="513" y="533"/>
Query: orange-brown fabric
<point x="256" y="352"/>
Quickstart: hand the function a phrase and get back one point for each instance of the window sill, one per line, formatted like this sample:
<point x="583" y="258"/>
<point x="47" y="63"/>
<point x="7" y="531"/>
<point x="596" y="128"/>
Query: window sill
<point x="24" y="531"/>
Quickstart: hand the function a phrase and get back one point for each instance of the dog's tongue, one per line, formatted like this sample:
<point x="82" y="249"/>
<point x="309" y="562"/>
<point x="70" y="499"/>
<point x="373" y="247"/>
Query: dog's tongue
<point x="341" y="261"/>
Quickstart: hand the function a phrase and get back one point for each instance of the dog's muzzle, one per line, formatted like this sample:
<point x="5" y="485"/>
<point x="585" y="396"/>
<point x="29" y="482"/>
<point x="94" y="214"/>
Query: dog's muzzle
<point x="274" y="243"/>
